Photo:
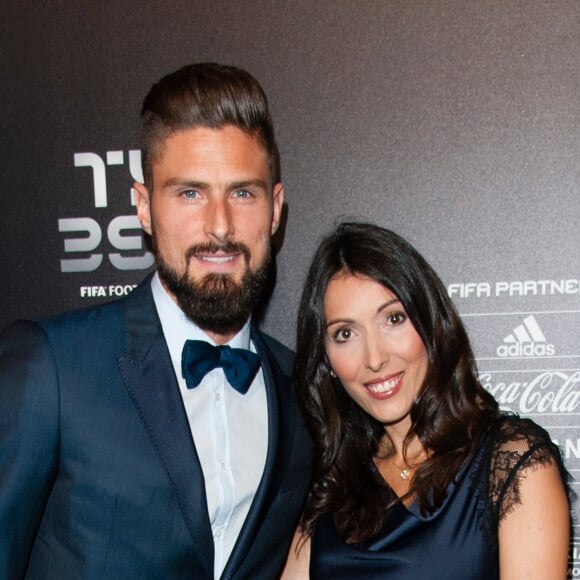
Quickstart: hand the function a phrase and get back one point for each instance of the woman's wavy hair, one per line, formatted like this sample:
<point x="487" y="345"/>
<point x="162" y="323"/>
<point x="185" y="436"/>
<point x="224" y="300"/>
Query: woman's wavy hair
<point x="449" y="415"/>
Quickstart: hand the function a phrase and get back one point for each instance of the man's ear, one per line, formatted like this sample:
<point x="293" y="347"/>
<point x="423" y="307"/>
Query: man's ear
<point x="143" y="200"/>
<point x="278" y="199"/>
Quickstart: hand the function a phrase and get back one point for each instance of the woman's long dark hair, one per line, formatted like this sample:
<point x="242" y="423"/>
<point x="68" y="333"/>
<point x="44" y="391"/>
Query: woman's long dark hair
<point x="449" y="415"/>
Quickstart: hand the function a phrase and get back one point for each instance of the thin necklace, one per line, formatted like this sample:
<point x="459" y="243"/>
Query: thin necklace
<point x="405" y="472"/>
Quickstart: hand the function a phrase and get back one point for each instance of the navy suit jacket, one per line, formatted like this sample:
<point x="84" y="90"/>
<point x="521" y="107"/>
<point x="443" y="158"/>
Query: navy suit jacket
<point x="99" y="476"/>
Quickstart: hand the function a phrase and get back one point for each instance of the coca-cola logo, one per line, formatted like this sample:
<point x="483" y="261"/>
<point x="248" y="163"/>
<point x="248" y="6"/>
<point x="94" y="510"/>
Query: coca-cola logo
<point x="546" y="392"/>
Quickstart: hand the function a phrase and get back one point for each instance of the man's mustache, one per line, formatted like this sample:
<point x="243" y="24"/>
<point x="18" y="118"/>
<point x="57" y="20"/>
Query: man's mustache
<point x="212" y="248"/>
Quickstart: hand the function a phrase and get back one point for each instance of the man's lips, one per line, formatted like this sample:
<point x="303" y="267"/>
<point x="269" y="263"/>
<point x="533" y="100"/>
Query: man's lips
<point x="221" y="257"/>
<point x="385" y="387"/>
<point x="217" y="258"/>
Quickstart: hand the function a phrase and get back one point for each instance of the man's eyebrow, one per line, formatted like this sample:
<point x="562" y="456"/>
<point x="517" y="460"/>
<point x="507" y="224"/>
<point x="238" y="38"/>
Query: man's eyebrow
<point x="174" y="182"/>
<point x="248" y="183"/>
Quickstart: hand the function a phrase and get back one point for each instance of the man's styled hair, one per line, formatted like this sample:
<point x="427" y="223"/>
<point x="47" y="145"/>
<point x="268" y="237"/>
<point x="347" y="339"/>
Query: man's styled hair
<point x="205" y="95"/>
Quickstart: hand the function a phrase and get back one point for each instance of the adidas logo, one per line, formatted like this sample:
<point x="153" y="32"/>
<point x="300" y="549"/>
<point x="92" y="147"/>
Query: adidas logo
<point x="527" y="339"/>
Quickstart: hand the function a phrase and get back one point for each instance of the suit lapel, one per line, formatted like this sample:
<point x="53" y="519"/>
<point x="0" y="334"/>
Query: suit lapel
<point x="149" y="377"/>
<point x="277" y="389"/>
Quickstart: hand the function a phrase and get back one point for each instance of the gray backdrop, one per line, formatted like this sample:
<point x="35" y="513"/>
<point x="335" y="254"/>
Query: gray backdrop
<point x="455" y="123"/>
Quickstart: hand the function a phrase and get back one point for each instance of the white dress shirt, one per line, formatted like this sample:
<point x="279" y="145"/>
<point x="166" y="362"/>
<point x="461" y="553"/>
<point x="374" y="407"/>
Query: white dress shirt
<point x="229" y="430"/>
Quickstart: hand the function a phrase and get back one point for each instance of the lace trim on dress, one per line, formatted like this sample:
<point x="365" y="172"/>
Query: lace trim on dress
<point x="514" y="446"/>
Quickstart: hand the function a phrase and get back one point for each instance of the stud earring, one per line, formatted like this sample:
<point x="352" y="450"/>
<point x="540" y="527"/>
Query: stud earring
<point x="332" y="374"/>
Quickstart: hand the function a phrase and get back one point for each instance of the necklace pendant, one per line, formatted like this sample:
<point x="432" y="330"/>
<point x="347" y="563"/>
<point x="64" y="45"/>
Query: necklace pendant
<point x="405" y="474"/>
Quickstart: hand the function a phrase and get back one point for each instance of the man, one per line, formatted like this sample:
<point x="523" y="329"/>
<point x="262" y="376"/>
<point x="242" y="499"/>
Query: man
<point x="118" y="457"/>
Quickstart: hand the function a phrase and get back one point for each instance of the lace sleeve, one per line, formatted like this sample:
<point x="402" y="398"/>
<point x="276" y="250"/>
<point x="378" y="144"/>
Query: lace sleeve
<point x="519" y="445"/>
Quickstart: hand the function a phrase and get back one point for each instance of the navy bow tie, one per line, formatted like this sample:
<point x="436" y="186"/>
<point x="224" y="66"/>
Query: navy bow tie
<point x="199" y="357"/>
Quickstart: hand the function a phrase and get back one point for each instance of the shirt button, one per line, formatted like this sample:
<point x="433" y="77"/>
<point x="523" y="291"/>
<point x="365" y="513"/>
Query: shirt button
<point x="224" y="466"/>
<point x="218" y="532"/>
<point x="218" y="397"/>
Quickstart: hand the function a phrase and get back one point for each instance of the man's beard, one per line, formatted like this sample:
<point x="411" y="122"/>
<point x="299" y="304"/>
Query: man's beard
<point x="216" y="303"/>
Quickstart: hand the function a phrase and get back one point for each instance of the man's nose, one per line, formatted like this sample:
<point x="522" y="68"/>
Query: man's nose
<point x="218" y="221"/>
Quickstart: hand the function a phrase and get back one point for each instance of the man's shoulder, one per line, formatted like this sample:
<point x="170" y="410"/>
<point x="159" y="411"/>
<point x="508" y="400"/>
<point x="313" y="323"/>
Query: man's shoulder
<point x="86" y="319"/>
<point x="83" y="324"/>
<point x="95" y="318"/>
<point x="69" y="336"/>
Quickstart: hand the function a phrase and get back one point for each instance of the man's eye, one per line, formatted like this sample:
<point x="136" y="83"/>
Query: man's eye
<point x="242" y="193"/>
<point x="189" y="193"/>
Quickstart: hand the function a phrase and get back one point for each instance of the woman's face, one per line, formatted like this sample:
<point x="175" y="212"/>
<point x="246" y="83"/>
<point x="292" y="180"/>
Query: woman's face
<point x="373" y="348"/>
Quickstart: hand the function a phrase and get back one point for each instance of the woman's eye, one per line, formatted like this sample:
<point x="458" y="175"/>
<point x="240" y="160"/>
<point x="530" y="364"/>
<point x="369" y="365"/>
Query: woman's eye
<point x="343" y="335"/>
<point x="395" y="318"/>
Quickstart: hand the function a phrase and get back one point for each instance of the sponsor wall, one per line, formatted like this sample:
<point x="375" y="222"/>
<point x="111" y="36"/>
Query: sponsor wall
<point x="453" y="123"/>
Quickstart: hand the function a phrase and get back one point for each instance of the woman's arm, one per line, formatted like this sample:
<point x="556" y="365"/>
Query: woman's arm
<point x="298" y="560"/>
<point x="534" y="536"/>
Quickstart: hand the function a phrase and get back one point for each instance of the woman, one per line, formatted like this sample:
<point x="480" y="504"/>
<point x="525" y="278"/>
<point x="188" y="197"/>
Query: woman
<point x="418" y="475"/>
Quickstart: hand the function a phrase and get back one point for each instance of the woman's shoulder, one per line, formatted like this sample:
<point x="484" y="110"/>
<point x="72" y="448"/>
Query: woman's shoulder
<point x="517" y="445"/>
<point x="515" y="439"/>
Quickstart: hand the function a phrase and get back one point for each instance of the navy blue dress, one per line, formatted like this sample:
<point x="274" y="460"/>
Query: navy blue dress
<point x="458" y="541"/>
